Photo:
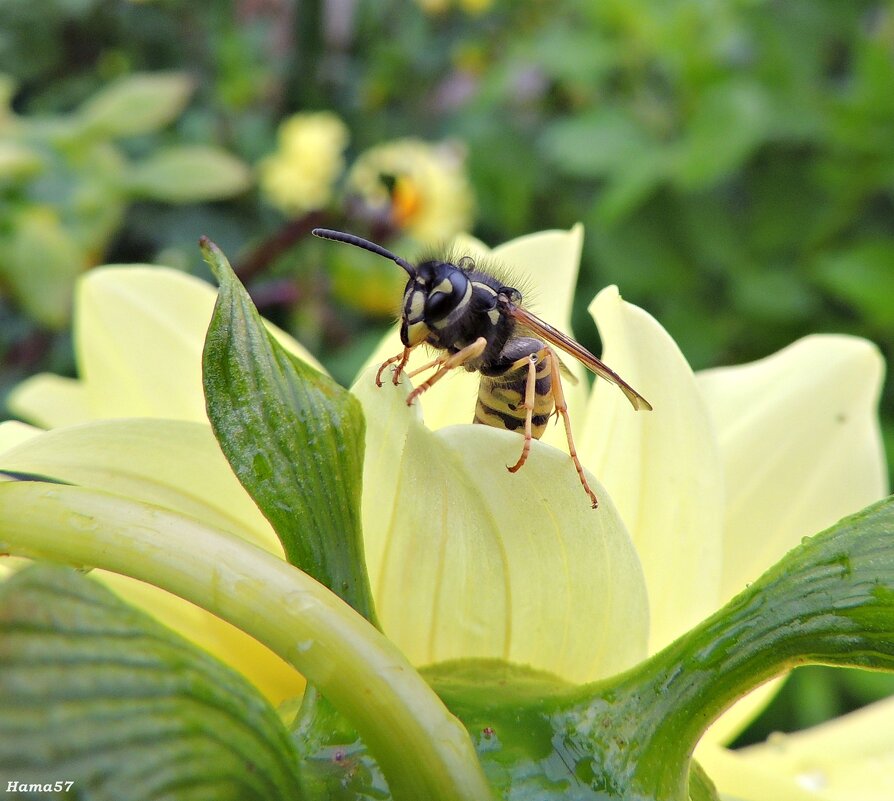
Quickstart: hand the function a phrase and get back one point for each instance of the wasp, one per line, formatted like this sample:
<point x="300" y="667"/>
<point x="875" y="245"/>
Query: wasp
<point x="480" y="325"/>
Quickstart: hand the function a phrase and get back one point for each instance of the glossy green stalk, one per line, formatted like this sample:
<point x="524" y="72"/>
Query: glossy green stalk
<point x="424" y="752"/>
<point x="830" y="601"/>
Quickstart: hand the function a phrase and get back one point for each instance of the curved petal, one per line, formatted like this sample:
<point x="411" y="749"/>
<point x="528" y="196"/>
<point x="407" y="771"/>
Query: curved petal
<point x="739" y="780"/>
<point x="138" y="337"/>
<point x="50" y="400"/>
<point x="662" y="467"/>
<point x="170" y="463"/>
<point x="467" y="559"/>
<point x="734" y="721"/>
<point x="545" y="263"/>
<point x="847" y="759"/>
<point x="801" y="447"/>
<point x="548" y="262"/>
<point x="139" y="333"/>
<point x="13" y="433"/>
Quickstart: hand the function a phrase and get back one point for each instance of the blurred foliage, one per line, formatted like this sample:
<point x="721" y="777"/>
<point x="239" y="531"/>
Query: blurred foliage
<point x="65" y="183"/>
<point x="732" y="161"/>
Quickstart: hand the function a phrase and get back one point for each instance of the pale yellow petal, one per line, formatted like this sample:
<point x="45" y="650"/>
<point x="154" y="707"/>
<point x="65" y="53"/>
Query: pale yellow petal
<point x="467" y="559"/>
<point x="801" y="448"/>
<point x="546" y="263"/>
<point x="13" y="433"/>
<point x="50" y="400"/>
<point x="738" y="779"/>
<point x="139" y="333"/>
<point x="174" y="464"/>
<point x="847" y="759"/>
<point x="662" y="468"/>
<point x="734" y="721"/>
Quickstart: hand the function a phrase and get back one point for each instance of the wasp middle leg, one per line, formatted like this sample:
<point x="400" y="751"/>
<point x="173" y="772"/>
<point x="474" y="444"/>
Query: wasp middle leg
<point x="514" y="392"/>
<point x="520" y="391"/>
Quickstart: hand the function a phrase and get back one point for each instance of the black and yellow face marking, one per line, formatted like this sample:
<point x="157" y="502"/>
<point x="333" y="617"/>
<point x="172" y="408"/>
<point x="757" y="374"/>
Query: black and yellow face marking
<point x="480" y="325"/>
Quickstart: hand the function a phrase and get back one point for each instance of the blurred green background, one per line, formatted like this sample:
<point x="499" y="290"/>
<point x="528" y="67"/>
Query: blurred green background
<point x="731" y="160"/>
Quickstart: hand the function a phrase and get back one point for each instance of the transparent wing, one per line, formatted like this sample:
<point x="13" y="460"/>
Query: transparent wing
<point x="579" y="352"/>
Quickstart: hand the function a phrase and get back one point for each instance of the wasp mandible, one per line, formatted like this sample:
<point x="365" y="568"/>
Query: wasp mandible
<point x="480" y="325"/>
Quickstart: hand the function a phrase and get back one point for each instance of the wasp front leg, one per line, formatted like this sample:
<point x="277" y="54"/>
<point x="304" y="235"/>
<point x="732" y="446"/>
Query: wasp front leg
<point x="447" y="364"/>
<point x="400" y="360"/>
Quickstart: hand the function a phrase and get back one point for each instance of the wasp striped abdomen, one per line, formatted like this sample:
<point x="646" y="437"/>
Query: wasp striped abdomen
<point x="503" y="385"/>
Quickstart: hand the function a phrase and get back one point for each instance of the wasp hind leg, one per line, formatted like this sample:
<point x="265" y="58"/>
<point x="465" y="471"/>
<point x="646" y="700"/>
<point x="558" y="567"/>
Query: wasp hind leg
<point x="562" y="409"/>
<point x="528" y="406"/>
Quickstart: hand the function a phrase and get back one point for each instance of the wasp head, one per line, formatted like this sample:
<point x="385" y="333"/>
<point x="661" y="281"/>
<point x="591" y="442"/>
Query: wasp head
<point x="434" y="298"/>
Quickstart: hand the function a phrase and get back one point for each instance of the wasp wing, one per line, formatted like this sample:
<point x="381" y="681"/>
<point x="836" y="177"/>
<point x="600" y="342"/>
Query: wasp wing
<point x="578" y="351"/>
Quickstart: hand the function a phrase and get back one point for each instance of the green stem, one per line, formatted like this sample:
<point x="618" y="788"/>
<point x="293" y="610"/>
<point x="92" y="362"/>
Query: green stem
<point x="424" y="752"/>
<point x="830" y="601"/>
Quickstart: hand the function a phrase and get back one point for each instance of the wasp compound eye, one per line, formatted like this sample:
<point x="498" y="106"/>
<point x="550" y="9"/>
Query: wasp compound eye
<point x="448" y="291"/>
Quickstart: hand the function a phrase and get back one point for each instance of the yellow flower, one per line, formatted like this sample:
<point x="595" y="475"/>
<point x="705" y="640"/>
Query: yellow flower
<point x="785" y="446"/>
<point x="732" y="468"/>
<point x="473" y="7"/>
<point x="416" y="186"/>
<point x="300" y="174"/>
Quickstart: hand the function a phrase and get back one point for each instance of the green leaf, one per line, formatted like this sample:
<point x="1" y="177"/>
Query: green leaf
<point x="39" y="262"/>
<point x="99" y="694"/>
<point x="864" y="277"/>
<point x="18" y="161"/>
<point x="136" y="104"/>
<point x="515" y="717"/>
<point x="293" y="437"/>
<point x="189" y="174"/>
<point x="604" y="142"/>
<point x="731" y="120"/>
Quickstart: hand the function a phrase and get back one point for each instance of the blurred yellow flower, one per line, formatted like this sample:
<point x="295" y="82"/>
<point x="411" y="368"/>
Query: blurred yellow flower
<point x="300" y="174"/>
<point x="416" y="186"/>
<point x="468" y="6"/>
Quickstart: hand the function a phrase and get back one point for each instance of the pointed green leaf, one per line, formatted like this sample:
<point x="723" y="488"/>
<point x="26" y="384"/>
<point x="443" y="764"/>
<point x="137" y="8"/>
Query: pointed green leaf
<point x="99" y="694"/>
<point x="293" y="437"/>
<point x="39" y="262"/>
<point x="136" y="104"/>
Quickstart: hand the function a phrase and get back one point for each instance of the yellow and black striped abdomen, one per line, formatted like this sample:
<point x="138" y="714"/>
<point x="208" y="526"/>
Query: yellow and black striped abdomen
<point x="501" y="397"/>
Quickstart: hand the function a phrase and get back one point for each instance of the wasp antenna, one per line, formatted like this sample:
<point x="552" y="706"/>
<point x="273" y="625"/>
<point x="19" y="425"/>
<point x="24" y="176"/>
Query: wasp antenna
<point x="365" y="244"/>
